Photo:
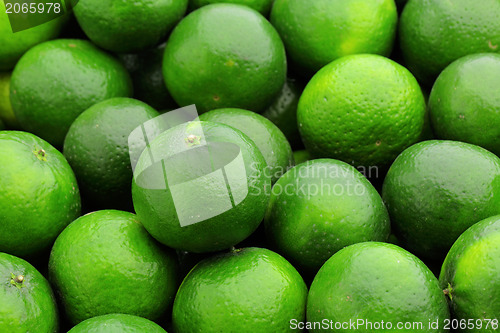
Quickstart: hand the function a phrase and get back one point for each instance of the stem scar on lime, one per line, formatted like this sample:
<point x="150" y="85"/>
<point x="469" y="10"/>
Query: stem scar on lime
<point x="40" y="154"/>
<point x="17" y="280"/>
<point x="449" y="292"/>
<point x="193" y="140"/>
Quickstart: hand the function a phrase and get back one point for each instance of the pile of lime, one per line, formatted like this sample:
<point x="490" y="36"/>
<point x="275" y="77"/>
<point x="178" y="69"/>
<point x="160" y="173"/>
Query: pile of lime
<point x="253" y="166"/>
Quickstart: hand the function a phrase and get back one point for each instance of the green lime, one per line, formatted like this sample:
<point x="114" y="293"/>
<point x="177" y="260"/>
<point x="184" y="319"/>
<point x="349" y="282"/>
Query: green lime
<point x="321" y="206"/>
<point x="145" y="69"/>
<point x="283" y="111"/>
<point x="96" y="147"/>
<point x="380" y="288"/>
<point x="224" y="55"/>
<point x="15" y="44"/>
<point x="320" y="31"/>
<point x="262" y="6"/>
<point x="105" y="262"/>
<point x="245" y="290"/>
<point x="6" y="112"/>
<point x="301" y="156"/>
<point x="27" y="303"/>
<point x="471" y="275"/>
<point x="117" y="323"/>
<point x="126" y="26"/>
<point x="434" y="33"/>
<point x="271" y="142"/>
<point x="39" y="194"/>
<point x="205" y="190"/>
<point x="361" y="109"/>
<point x="465" y="104"/>
<point x="57" y="80"/>
<point x="435" y="190"/>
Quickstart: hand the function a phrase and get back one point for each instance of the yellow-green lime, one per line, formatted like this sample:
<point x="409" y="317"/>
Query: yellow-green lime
<point x="317" y="32"/>
<point x="465" y="104"/>
<point x="435" y="190"/>
<point x="97" y="148"/>
<point x="361" y="109"/>
<point x="14" y="45"/>
<point x="262" y="6"/>
<point x="117" y="323"/>
<point x="321" y="206"/>
<point x="27" y="303"/>
<point x="378" y="287"/>
<point x="244" y="290"/>
<point x="471" y="276"/>
<point x="206" y="188"/>
<point x="125" y="26"/>
<point x="105" y="262"/>
<point x="224" y="56"/>
<point x="434" y="33"/>
<point x="39" y="194"/>
<point x="57" y="80"/>
<point x="6" y="112"/>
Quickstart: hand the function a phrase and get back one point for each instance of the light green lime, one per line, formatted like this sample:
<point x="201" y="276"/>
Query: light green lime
<point x="117" y="323"/>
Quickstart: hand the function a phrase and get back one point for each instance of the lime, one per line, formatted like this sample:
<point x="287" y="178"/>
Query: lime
<point x="206" y="189"/>
<point x="465" y="104"/>
<point x="361" y="109"/>
<point x="26" y="300"/>
<point x="105" y="262"/>
<point x="96" y="147"/>
<point x="321" y="206"/>
<point x="379" y="287"/>
<point x="6" y="112"/>
<point x="318" y="32"/>
<point x="283" y="111"/>
<point x="126" y="26"/>
<point x="39" y="194"/>
<point x="117" y="323"/>
<point x="271" y="142"/>
<point x="435" y="190"/>
<point x="224" y="55"/>
<point x="262" y="6"/>
<point x="15" y="44"/>
<point x="471" y="275"/>
<point x="434" y="33"/>
<point x="245" y="290"/>
<point x="301" y="156"/>
<point x="57" y="80"/>
<point x="145" y="69"/>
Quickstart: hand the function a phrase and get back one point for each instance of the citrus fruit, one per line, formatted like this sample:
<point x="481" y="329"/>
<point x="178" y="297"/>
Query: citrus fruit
<point x="105" y="262"/>
<point x="434" y="33"/>
<point x="57" y="80"/>
<point x="318" y="32"/>
<point x="125" y="26"/>
<point x="6" y="112"/>
<point x="321" y="206"/>
<point x="283" y="111"/>
<point x="96" y="147"/>
<point x="271" y="142"/>
<point x="15" y="44"/>
<point x="245" y="290"/>
<point x="224" y="55"/>
<point x="27" y="303"/>
<point x="145" y="69"/>
<point x="117" y="323"/>
<point x="465" y="104"/>
<point x="301" y="156"/>
<point x="206" y="189"/>
<point x="471" y="275"/>
<point x="39" y="194"/>
<point x="361" y="109"/>
<point x="367" y="283"/>
<point x="435" y="190"/>
<point x="262" y="6"/>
